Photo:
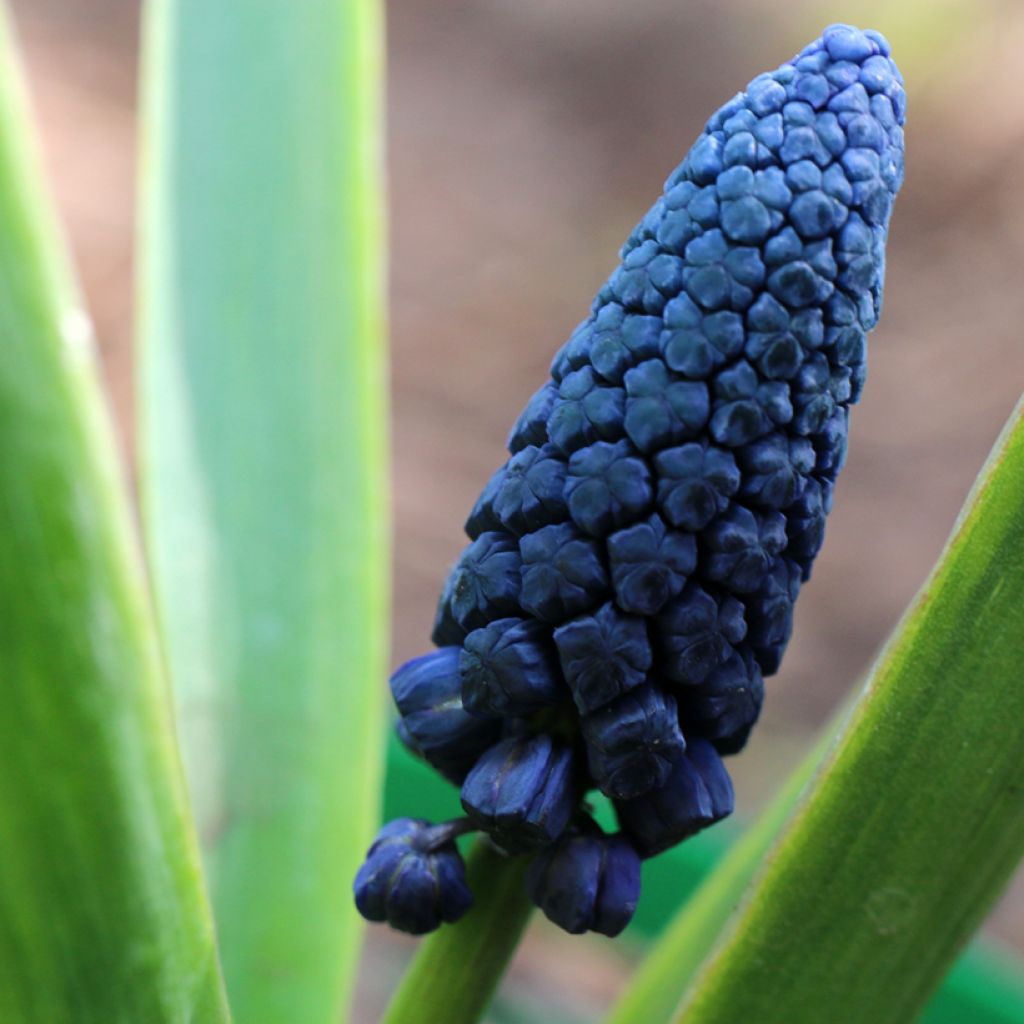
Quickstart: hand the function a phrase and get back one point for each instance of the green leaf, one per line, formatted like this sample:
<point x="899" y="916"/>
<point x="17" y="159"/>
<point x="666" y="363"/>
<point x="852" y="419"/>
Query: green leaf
<point x="917" y="819"/>
<point x="264" y="470"/>
<point x="457" y="969"/>
<point x="103" y="918"/>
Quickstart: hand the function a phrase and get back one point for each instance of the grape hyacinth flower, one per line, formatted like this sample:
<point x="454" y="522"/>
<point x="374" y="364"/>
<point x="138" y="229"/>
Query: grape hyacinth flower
<point x="434" y="724"/>
<point x="413" y="877"/>
<point x="587" y="881"/>
<point x="634" y="565"/>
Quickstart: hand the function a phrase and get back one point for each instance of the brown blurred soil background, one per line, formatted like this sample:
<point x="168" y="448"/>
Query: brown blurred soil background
<point x="525" y="139"/>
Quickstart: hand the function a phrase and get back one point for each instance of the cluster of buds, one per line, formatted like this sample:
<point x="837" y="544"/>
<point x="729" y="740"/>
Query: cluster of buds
<point x="633" y="566"/>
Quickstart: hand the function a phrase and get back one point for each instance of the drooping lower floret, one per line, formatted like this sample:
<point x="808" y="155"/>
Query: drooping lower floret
<point x="633" y="567"/>
<point x="413" y="877"/>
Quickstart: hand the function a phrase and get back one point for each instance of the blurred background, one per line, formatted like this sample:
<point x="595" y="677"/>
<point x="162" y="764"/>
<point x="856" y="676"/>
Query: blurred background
<point x="525" y="139"/>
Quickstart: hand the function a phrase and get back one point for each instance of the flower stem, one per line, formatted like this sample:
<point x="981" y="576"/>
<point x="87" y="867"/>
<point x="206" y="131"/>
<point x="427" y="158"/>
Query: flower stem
<point x="455" y="972"/>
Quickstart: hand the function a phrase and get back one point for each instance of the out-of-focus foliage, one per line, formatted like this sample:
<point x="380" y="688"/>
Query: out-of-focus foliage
<point x="264" y="465"/>
<point x="103" y="918"/>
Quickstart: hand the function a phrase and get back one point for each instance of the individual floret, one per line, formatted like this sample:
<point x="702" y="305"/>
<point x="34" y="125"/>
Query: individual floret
<point x="695" y="483"/>
<point x="587" y="881"/>
<point x="662" y="410"/>
<point x="575" y="353"/>
<point x="622" y="340"/>
<point x="532" y="426"/>
<point x="413" y="877"/>
<point x="696" y="632"/>
<point x="695" y="343"/>
<point x="830" y="445"/>
<point x="740" y="547"/>
<point x="603" y="655"/>
<point x="633" y="742"/>
<point x="769" y="613"/>
<point x="508" y="667"/>
<point x="563" y="573"/>
<point x="585" y="411"/>
<point x="608" y="485"/>
<point x="649" y="565"/>
<point x="530" y="494"/>
<point x="697" y="793"/>
<point x="482" y="518"/>
<point x="745" y="407"/>
<point x="805" y="523"/>
<point x="775" y="470"/>
<point x="522" y="792"/>
<point x="433" y="723"/>
<point x="483" y="585"/>
<point x="725" y="707"/>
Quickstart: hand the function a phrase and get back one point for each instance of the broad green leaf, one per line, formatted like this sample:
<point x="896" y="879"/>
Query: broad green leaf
<point x="103" y="918"/>
<point x="263" y="446"/>
<point x="916" y="821"/>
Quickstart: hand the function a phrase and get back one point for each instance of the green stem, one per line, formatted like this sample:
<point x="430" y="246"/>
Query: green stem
<point x="457" y="969"/>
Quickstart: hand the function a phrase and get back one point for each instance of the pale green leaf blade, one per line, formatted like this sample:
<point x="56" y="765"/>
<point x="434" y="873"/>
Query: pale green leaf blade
<point x="264" y="464"/>
<point x="103" y="918"/>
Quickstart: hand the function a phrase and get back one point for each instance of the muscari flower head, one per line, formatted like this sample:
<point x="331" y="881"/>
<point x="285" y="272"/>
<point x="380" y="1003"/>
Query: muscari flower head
<point x="634" y="565"/>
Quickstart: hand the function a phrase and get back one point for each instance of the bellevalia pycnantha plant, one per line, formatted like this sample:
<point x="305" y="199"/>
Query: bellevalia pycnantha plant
<point x="634" y="564"/>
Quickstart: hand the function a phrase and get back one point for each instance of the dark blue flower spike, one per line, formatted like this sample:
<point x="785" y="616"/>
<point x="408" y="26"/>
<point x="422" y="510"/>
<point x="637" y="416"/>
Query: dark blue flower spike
<point x="413" y="877"/>
<point x="587" y="881"/>
<point x="635" y="564"/>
